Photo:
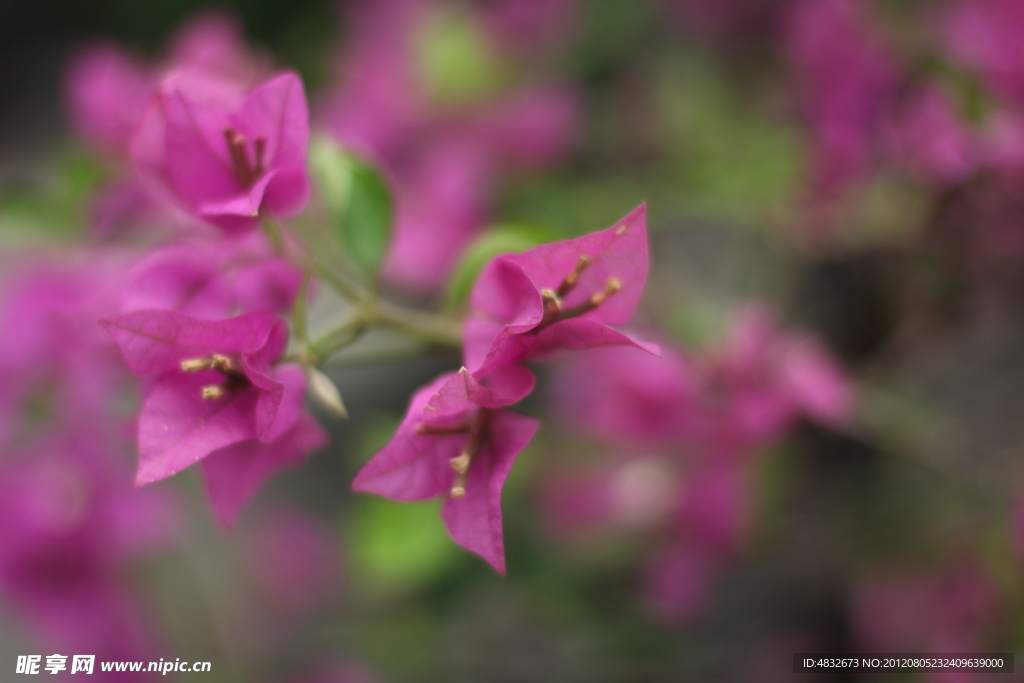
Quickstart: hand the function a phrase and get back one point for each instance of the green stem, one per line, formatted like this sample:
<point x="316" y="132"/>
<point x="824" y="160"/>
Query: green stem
<point x="428" y="328"/>
<point x="359" y="358"/>
<point x="337" y="339"/>
<point x="349" y="290"/>
<point x="273" y="231"/>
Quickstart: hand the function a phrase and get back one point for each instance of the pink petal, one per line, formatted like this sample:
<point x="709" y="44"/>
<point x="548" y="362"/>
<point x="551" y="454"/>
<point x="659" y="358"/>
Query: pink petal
<point x="412" y="466"/>
<point x="463" y="392"/>
<point x="212" y="42"/>
<point x="198" y="162"/>
<point x="574" y="333"/>
<point x="288" y="192"/>
<point x="818" y="385"/>
<point x="270" y="284"/>
<point x="107" y="93"/>
<point x="244" y="204"/>
<point x="277" y="112"/>
<point x="176" y="279"/>
<point x="474" y="521"/>
<point x="235" y="474"/>
<point x="479" y="334"/>
<point x="276" y="413"/>
<point x="619" y="252"/>
<point x="511" y="384"/>
<point x="178" y="428"/>
<point x="153" y="342"/>
<point x="505" y="293"/>
<point x="149" y="153"/>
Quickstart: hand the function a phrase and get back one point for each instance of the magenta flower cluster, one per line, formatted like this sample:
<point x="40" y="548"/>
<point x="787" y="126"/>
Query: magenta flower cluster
<point x="191" y="331"/>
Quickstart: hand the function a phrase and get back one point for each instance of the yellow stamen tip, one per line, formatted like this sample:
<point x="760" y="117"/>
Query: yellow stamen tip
<point x="461" y="463"/>
<point x="458" y="492"/>
<point x="194" y="364"/>
<point x="222" y="363"/>
<point x="613" y="285"/>
<point x="213" y="392"/>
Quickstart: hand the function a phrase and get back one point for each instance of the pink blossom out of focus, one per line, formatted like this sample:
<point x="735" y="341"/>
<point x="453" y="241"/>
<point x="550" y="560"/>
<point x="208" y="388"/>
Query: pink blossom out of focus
<point x="292" y="560"/>
<point x="953" y="609"/>
<point x="844" y="80"/>
<point x="71" y="526"/>
<point x="685" y="425"/>
<point x="443" y="161"/>
<point x="50" y="306"/>
<point x="927" y="137"/>
<point x="107" y="90"/>
<point x="985" y="35"/>
<point x="213" y="279"/>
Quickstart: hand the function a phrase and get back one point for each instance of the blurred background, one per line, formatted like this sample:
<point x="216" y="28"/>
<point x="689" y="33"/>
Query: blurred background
<point x="827" y="457"/>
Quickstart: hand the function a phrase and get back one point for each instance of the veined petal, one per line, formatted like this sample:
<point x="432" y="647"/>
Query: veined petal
<point x="235" y="474"/>
<point x="277" y="112"/>
<point x="474" y="520"/>
<point x="178" y="428"/>
<point x="618" y="252"/>
<point x="153" y="342"/>
<point x="198" y="162"/>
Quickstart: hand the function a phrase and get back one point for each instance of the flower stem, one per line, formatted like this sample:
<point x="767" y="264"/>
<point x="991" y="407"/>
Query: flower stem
<point x="273" y="232"/>
<point x="337" y="339"/>
<point x="431" y="329"/>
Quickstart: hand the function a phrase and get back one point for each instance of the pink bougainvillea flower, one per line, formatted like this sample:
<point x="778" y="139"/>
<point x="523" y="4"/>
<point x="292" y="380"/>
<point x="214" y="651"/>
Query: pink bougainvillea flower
<point x="236" y="473"/>
<point x="52" y="302"/>
<point x="702" y="534"/>
<point x="440" y="206"/>
<point x="292" y="560"/>
<point x="734" y="397"/>
<point x="106" y="94"/>
<point x="214" y="385"/>
<point x="952" y="608"/>
<point x="623" y="394"/>
<point x="107" y="90"/>
<point x="213" y="279"/>
<point x="559" y="295"/>
<point x="844" y="78"/>
<point x="444" y="159"/>
<point x="761" y="380"/>
<point x="223" y="156"/>
<point x="928" y="138"/>
<point x="985" y="35"/>
<point x="213" y="42"/>
<point x="457" y="442"/>
<point x="70" y="524"/>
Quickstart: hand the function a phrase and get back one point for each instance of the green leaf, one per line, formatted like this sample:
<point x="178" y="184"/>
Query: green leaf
<point x="359" y="202"/>
<point x="503" y="239"/>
